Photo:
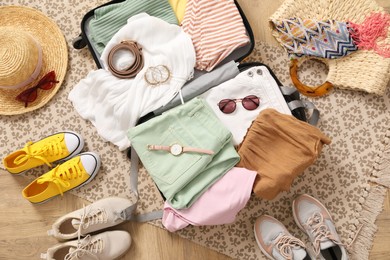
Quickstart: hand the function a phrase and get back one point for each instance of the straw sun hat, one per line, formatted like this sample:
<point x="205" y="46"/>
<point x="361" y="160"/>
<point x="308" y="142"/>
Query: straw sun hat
<point x="31" y="45"/>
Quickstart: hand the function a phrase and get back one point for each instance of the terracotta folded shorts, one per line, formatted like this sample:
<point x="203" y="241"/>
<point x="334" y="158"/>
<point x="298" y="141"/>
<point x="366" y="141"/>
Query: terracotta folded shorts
<point x="279" y="147"/>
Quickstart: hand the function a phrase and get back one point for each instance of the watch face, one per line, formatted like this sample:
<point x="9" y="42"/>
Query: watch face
<point x="176" y="149"/>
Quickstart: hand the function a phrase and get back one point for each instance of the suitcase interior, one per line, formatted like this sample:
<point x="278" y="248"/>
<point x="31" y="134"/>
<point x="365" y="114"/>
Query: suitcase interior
<point x="84" y="39"/>
<point x="238" y="55"/>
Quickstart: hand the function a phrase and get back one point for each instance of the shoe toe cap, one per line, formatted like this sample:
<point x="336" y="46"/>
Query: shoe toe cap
<point x="267" y="228"/>
<point x="90" y="161"/>
<point x="115" y="249"/>
<point x="305" y="206"/>
<point x="73" y="141"/>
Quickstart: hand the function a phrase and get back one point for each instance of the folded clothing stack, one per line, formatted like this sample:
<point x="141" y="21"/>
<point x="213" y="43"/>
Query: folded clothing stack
<point x="205" y="154"/>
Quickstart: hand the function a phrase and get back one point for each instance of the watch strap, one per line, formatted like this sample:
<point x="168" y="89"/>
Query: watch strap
<point x="197" y="150"/>
<point x="153" y="147"/>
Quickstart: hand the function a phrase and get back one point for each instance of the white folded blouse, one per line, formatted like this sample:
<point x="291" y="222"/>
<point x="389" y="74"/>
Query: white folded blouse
<point x="256" y="81"/>
<point x="114" y="105"/>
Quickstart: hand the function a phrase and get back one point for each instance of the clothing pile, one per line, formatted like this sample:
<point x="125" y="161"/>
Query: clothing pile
<point x="206" y="152"/>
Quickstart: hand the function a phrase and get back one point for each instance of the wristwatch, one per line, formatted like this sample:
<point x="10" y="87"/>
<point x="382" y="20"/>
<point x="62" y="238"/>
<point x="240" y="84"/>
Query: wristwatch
<point x="177" y="149"/>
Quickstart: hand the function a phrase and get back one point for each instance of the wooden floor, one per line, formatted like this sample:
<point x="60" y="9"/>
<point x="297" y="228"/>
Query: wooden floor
<point x="23" y="226"/>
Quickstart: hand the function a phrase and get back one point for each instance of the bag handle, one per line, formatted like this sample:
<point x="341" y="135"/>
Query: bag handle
<point x="316" y="91"/>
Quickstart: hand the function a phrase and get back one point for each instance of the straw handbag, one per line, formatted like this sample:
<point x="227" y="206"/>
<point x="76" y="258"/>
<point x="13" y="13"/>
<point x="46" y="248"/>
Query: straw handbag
<point x="364" y="70"/>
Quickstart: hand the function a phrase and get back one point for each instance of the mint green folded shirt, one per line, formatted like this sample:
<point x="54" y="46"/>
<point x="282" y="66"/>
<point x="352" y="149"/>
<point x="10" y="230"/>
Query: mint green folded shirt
<point x="183" y="178"/>
<point x="107" y="20"/>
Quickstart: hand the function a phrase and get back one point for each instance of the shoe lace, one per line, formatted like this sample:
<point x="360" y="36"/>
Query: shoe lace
<point x="60" y="176"/>
<point x="51" y="148"/>
<point x="92" y="216"/>
<point x="285" y="244"/>
<point x="86" y="246"/>
<point x="320" y="231"/>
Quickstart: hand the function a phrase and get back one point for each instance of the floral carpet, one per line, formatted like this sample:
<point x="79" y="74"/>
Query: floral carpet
<point x="350" y="177"/>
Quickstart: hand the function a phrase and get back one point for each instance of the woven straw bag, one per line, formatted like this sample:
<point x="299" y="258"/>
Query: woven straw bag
<point x="363" y="70"/>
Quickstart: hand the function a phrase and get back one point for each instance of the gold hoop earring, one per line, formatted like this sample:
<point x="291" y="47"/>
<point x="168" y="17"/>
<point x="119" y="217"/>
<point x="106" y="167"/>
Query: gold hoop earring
<point x="156" y="75"/>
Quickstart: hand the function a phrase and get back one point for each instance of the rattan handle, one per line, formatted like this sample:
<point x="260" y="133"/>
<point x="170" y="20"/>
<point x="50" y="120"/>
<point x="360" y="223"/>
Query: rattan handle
<point x="316" y="91"/>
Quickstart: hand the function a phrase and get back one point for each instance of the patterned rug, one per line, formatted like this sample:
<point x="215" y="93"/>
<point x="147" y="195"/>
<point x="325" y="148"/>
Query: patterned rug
<point x="350" y="177"/>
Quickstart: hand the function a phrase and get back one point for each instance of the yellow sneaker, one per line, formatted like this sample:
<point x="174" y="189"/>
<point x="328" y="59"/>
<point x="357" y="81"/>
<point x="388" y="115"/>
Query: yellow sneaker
<point x="71" y="174"/>
<point x="59" y="146"/>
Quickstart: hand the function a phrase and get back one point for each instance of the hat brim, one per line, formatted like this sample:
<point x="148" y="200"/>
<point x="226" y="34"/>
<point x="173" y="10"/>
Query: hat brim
<point x="54" y="53"/>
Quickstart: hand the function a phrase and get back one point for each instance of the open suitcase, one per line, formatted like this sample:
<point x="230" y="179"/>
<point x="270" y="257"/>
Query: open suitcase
<point x="298" y="108"/>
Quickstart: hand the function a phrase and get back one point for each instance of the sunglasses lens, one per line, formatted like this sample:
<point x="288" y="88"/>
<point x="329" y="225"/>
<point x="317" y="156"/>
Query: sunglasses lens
<point x="251" y="102"/>
<point x="48" y="81"/>
<point x="27" y="96"/>
<point x="227" y="106"/>
<point x="47" y="85"/>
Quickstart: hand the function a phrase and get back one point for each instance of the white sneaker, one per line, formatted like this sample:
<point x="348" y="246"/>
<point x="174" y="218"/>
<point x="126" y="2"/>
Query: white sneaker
<point x="101" y="214"/>
<point x="103" y="246"/>
<point x="276" y="242"/>
<point x="315" y="220"/>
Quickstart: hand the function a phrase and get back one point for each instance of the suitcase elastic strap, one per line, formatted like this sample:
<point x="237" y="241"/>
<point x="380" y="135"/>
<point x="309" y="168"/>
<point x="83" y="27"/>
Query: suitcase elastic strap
<point x="128" y="214"/>
<point x="299" y="103"/>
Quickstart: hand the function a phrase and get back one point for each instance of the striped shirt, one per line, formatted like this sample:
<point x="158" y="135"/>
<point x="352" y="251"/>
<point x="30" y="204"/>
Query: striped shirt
<point x="107" y="20"/>
<point x="216" y="28"/>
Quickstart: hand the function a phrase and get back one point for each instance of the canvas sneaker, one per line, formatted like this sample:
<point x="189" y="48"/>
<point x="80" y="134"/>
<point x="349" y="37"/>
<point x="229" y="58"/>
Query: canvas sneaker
<point x="71" y="174"/>
<point x="103" y="246"/>
<point x="314" y="219"/>
<point x="99" y="215"/>
<point x="276" y="242"/>
<point x="59" y="146"/>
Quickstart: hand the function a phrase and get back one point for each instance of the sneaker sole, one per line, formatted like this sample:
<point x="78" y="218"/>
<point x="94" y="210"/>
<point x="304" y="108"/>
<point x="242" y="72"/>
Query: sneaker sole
<point x="295" y="217"/>
<point x="91" y="177"/>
